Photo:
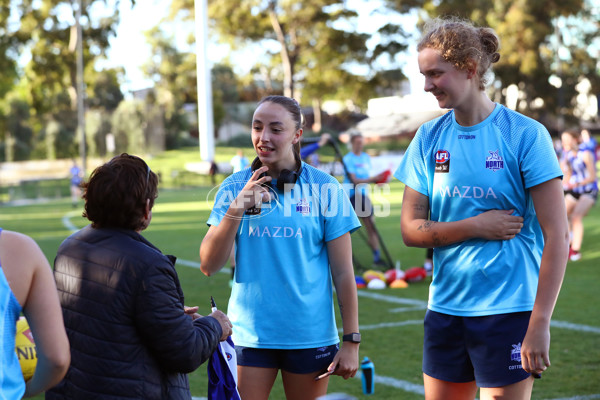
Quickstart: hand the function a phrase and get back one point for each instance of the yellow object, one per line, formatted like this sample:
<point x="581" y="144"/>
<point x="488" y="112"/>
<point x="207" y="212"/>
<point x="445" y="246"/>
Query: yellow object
<point x="399" y="284"/>
<point x="372" y="274"/>
<point x="25" y="348"/>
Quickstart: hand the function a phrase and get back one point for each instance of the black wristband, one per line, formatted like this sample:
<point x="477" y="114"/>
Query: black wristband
<point x="352" y="337"/>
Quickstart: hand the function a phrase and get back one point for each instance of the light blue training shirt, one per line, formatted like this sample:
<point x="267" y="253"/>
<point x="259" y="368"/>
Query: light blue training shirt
<point x="466" y="171"/>
<point x="282" y="296"/>
<point x="360" y="166"/>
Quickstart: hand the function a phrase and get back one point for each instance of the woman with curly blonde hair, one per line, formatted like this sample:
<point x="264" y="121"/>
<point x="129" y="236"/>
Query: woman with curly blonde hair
<point x="483" y="188"/>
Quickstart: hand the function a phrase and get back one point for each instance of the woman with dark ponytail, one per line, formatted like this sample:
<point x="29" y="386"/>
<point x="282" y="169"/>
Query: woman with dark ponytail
<point x="291" y="225"/>
<point x="483" y="188"/>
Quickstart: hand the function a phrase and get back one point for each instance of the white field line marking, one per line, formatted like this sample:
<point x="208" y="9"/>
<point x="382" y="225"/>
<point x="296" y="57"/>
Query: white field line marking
<point x="575" y="327"/>
<point x="66" y="220"/>
<point x="419" y="305"/>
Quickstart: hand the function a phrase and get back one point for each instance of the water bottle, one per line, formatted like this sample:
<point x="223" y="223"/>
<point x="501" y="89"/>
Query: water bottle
<point x="368" y="376"/>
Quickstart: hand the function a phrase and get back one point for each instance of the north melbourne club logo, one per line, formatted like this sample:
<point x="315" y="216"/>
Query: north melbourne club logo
<point x="303" y="207"/>
<point x="515" y="353"/>
<point x="494" y="161"/>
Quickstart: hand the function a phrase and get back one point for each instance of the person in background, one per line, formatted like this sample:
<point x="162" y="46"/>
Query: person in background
<point x="131" y="335"/>
<point x="358" y="166"/>
<point x="588" y="142"/>
<point x="580" y="185"/>
<point x="26" y="285"/>
<point x="76" y="178"/>
<point x="310" y="148"/>
<point x="483" y="187"/>
<point x="428" y="263"/>
<point x="213" y="171"/>
<point x="291" y="224"/>
<point x="239" y="161"/>
<point x="308" y="152"/>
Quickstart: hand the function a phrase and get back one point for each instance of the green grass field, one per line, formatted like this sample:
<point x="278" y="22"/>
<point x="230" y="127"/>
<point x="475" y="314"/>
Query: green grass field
<point x="390" y="319"/>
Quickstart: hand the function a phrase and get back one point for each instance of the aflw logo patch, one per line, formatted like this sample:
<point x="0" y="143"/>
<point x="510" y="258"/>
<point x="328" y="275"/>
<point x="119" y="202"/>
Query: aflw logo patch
<point x="442" y="161"/>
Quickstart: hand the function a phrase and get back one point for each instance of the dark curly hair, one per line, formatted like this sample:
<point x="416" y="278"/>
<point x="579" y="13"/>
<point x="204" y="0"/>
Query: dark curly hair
<point x="116" y="193"/>
<point x="460" y="43"/>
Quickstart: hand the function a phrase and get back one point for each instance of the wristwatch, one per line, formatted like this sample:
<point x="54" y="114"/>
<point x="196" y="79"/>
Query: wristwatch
<point x="352" y="337"/>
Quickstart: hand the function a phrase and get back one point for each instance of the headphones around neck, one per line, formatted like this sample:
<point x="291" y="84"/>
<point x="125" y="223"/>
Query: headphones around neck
<point x="285" y="176"/>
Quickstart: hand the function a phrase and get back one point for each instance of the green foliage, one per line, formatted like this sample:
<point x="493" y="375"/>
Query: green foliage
<point x="315" y="56"/>
<point x="528" y="40"/>
<point x="97" y="126"/>
<point x="104" y="91"/>
<point x="127" y="123"/>
<point x="18" y="133"/>
<point x="43" y="29"/>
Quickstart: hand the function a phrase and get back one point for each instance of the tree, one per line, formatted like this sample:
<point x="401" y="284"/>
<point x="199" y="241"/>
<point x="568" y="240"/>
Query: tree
<point x="317" y="44"/>
<point x="46" y="31"/>
<point x="104" y="90"/>
<point x="18" y="134"/>
<point x="128" y="127"/>
<point x="174" y="74"/>
<point x="309" y="39"/>
<point x="527" y="31"/>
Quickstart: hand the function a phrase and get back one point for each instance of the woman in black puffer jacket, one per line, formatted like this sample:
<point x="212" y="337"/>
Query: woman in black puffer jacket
<point x="131" y="336"/>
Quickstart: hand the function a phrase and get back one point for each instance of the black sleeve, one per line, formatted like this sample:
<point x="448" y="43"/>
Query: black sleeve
<point x="178" y="343"/>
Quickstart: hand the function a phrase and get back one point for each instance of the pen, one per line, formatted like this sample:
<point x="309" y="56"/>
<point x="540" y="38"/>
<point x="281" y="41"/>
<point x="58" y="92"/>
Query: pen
<point x="213" y="305"/>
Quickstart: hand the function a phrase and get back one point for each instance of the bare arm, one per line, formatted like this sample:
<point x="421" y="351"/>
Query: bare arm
<point x="31" y="280"/>
<point x="419" y="231"/>
<point x="216" y="245"/>
<point x="550" y="209"/>
<point x="339" y="250"/>
<point x="371" y="179"/>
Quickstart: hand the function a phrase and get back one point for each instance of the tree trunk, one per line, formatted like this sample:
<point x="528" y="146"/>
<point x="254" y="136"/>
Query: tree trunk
<point x="288" y="68"/>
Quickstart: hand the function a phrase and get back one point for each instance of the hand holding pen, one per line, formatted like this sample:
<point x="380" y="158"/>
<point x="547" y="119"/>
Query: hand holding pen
<point x="223" y="320"/>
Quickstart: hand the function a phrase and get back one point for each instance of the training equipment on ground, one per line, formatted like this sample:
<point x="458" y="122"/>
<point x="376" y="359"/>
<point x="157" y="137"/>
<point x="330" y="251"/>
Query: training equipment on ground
<point x="25" y="348"/>
<point x="415" y="274"/>
<point x="393" y="274"/>
<point x="399" y="284"/>
<point x="376" y="284"/>
<point x="372" y="274"/>
<point x="360" y="282"/>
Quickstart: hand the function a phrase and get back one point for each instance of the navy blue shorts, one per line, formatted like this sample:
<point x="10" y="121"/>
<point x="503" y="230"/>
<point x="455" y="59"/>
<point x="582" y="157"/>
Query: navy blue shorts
<point x="483" y="349"/>
<point x="296" y="361"/>
<point x="364" y="208"/>
<point x="593" y="193"/>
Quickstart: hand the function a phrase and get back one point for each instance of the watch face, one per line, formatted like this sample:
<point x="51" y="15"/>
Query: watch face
<point x="352" y="337"/>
